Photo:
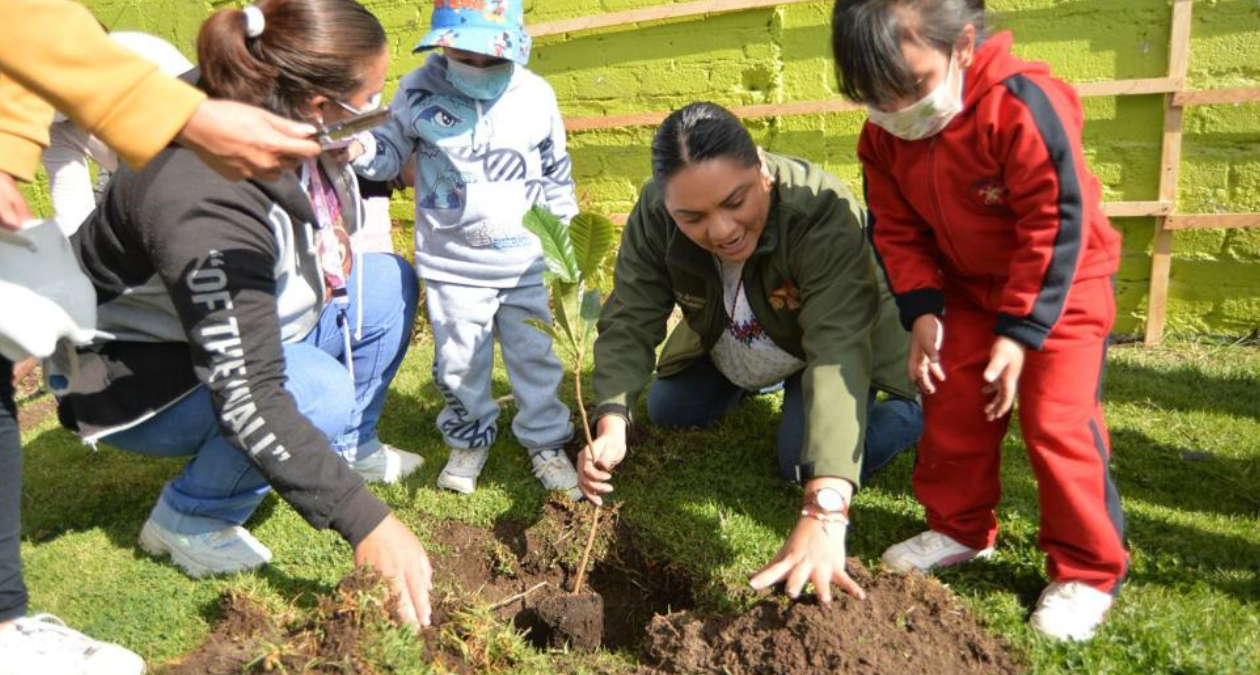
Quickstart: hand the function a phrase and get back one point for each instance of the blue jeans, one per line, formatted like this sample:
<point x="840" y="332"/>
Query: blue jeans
<point x="12" y="589"/>
<point x="701" y="395"/>
<point x="220" y="486"/>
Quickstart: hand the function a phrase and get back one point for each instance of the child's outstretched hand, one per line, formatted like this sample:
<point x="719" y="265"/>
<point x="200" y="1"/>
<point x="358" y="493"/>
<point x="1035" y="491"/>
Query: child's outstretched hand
<point x="925" y="358"/>
<point x="347" y="153"/>
<point x="1006" y="361"/>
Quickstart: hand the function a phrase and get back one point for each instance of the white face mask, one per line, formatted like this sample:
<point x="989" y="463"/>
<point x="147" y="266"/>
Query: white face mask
<point x="927" y="116"/>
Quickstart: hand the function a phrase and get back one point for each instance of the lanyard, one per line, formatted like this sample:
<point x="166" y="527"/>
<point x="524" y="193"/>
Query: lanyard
<point x="328" y="237"/>
<point x="330" y="254"/>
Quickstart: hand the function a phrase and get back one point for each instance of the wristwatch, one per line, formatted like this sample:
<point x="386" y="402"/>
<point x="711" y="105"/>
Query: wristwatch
<point x="827" y="505"/>
<point x="830" y="501"/>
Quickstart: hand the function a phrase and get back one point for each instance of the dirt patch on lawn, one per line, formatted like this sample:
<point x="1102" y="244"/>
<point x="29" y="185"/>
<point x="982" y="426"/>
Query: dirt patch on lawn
<point x="34" y="404"/>
<point x="248" y="639"/>
<point x="906" y="624"/>
<point x="521" y="575"/>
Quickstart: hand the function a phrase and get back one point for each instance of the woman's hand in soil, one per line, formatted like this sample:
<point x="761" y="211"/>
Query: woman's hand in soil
<point x="595" y="463"/>
<point x="1006" y="362"/>
<point x="925" y="357"/>
<point x="393" y="550"/>
<point x="810" y="554"/>
<point x="13" y="209"/>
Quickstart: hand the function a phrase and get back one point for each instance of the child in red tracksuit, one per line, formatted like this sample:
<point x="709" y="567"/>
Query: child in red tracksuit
<point x="989" y="227"/>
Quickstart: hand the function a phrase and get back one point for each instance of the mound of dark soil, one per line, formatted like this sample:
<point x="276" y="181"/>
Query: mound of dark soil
<point x="907" y="624"/>
<point x="249" y="640"/>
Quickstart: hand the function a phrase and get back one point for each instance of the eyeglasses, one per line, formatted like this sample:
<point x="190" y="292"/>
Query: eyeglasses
<point x="372" y="104"/>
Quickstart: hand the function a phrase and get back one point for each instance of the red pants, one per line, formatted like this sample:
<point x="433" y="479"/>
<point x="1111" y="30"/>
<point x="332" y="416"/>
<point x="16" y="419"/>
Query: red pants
<point x="1060" y="412"/>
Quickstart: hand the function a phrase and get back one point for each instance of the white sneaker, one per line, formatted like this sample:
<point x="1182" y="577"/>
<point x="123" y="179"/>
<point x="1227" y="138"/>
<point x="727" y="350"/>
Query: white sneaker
<point x="42" y="644"/>
<point x="928" y="550"/>
<point x="227" y="551"/>
<point x="1070" y="611"/>
<point x="387" y="465"/>
<point x="556" y="472"/>
<point x="462" y="469"/>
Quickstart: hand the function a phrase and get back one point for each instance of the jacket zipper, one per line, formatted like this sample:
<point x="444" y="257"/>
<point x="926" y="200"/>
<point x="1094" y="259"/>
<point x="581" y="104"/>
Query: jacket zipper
<point x="719" y="319"/>
<point x="943" y="227"/>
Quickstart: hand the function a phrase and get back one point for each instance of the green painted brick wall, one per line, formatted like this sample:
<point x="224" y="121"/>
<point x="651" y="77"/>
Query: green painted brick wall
<point x="781" y="55"/>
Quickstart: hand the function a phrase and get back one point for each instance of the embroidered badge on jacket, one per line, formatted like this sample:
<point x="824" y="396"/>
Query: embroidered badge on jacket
<point x="990" y="193"/>
<point x="786" y="297"/>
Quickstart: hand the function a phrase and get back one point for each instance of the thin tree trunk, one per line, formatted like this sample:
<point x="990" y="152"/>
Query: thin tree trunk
<point x="586" y="430"/>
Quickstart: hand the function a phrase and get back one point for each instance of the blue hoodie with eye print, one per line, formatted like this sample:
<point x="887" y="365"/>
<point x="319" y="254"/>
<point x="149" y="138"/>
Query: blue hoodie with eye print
<point x="480" y="165"/>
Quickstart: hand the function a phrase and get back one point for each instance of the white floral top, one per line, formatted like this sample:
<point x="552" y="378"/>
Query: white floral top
<point x="744" y="353"/>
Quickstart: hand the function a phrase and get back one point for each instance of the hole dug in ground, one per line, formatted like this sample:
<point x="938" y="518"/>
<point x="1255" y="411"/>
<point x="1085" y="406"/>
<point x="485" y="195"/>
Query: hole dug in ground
<point x="527" y="574"/>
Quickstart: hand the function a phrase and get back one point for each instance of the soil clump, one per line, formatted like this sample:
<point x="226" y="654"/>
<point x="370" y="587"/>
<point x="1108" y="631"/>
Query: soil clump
<point x="906" y="624"/>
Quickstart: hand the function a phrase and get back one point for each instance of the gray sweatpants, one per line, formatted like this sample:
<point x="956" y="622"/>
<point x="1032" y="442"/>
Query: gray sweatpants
<point x="465" y="320"/>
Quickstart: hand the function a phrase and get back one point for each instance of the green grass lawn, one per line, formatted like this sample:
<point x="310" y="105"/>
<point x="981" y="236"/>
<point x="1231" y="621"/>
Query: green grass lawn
<point x="1185" y="427"/>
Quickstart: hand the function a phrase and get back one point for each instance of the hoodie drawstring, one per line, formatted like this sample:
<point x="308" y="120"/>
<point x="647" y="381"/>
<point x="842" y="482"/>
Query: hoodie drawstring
<point x="361" y="214"/>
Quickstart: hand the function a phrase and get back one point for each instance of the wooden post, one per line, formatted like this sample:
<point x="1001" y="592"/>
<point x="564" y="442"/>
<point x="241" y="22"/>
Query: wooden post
<point x="1169" y="165"/>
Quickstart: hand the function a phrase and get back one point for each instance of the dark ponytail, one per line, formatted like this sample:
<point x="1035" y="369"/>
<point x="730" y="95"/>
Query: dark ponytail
<point x="699" y="132"/>
<point x="866" y="37"/>
<point x="307" y="47"/>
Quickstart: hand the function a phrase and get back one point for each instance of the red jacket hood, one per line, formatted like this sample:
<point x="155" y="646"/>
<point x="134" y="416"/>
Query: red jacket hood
<point x="993" y="63"/>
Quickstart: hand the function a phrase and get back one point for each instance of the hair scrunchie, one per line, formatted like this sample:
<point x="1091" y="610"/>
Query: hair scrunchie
<point x="255" y="22"/>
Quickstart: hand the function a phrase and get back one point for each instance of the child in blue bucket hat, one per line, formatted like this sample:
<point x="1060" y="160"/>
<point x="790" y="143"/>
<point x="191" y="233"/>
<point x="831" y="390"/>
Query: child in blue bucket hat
<point x="489" y="143"/>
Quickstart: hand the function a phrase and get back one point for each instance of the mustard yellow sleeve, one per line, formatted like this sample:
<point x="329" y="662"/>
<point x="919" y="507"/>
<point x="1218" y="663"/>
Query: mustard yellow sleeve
<point x="24" y="120"/>
<point x="56" y="49"/>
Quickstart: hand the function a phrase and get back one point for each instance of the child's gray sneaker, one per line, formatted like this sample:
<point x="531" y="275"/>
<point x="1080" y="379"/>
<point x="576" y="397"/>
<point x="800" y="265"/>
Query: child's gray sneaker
<point x="43" y="644"/>
<point x="556" y="472"/>
<point x="387" y="465"/>
<point x="227" y="551"/>
<point x="462" y="469"/>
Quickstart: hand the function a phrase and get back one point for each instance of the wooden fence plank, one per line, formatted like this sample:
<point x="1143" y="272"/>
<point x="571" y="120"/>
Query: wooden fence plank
<point x="1159" y="85"/>
<point x="656" y="13"/>
<point x="1112" y="209"/>
<point x="1211" y="221"/>
<point x="1217" y="96"/>
<point x="1136" y="209"/>
<point x="614" y="122"/>
<point x="1153" y="85"/>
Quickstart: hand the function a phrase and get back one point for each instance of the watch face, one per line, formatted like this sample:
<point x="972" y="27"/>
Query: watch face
<point x="830" y="499"/>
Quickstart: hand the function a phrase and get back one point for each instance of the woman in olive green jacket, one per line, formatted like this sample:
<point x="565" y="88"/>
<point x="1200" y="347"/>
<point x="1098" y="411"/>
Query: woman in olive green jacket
<point x="767" y="258"/>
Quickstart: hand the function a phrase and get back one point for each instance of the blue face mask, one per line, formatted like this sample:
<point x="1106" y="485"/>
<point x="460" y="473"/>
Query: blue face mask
<point x="483" y="84"/>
